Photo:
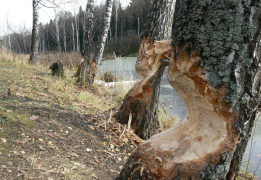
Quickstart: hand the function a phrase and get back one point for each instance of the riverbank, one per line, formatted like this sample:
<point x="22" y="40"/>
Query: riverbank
<point x="51" y="128"/>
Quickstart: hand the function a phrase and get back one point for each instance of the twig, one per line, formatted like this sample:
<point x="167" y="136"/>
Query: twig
<point x="129" y="122"/>
<point x="123" y="132"/>
<point x="109" y="120"/>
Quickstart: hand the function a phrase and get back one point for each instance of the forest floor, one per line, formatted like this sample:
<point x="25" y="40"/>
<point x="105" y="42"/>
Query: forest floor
<point x="52" y="129"/>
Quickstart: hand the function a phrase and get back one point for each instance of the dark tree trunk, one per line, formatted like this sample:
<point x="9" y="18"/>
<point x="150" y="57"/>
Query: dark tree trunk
<point x="142" y="100"/>
<point x="215" y="68"/>
<point x="35" y="33"/>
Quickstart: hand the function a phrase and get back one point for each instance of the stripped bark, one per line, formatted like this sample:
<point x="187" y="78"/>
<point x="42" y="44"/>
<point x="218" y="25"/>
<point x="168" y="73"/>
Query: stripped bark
<point x="35" y="33"/>
<point x="142" y="100"/>
<point x="215" y="67"/>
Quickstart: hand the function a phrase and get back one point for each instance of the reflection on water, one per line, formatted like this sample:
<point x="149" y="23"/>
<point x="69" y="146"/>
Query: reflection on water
<point x="173" y="103"/>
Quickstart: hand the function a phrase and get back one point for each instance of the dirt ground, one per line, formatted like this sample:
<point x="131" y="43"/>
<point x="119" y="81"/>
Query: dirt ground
<point x="50" y="129"/>
<point x="68" y="146"/>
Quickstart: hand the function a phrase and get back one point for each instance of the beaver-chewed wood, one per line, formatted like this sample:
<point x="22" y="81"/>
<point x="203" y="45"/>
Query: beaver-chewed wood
<point x="215" y="68"/>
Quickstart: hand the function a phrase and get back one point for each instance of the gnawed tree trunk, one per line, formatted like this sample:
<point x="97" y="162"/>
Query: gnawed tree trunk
<point x="35" y="33"/>
<point x="142" y="100"/>
<point x="100" y="47"/>
<point x="93" y="65"/>
<point x="83" y="70"/>
<point x="215" y="68"/>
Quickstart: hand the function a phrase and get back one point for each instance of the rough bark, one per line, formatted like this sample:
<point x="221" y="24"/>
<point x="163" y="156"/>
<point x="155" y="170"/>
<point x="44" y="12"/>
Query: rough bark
<point x="35" y="33"/>
<point x="142" y="100"/>
<point x="215" y="68"/>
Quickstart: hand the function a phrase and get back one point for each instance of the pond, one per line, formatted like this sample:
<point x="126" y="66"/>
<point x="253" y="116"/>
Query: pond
<point x="172" y="103"/>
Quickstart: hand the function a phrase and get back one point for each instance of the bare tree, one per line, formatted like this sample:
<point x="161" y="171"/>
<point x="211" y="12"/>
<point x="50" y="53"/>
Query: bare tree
<point x="215" y="68"/>
<point x="35" y="33"/>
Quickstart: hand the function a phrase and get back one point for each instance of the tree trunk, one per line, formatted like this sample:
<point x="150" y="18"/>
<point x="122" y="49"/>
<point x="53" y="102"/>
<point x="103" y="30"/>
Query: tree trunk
<point x="77" y="34"/>
<point x="57" y="32"/>
<point x="101" y="43"/>
<point x="91" y="67"/>
<point x="142" y="100"/>
<point x="73" y="37"/>
<point x="35" y="33"/>
<point x="215" y="68"/>
<point x="116" y="21"/>
<point x="83" y="70"/>
<point x="64" y="35"/>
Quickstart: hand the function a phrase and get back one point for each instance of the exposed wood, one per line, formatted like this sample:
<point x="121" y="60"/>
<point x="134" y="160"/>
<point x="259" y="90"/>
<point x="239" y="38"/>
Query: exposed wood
<point x="215" y="68"/>
<point x="142" y="100"/>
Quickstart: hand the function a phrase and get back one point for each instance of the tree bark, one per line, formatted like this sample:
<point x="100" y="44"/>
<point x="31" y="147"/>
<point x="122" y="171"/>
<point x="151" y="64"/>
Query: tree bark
<point x="215" y="68"/>
<point x="35" y="33"/>
<point x="64" y="35"/>
<point x="77" y="34"/>
<point x="101" y="43"/>
<point x="73" y="37"/>
<point x="91" y="67"/>
<point x="57" y="32"/>
<point x="142" y="100"/>
<point x="83" y="70"/>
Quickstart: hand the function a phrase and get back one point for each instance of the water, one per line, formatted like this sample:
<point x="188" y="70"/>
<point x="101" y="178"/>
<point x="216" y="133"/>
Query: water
<point x="173" y="104"/>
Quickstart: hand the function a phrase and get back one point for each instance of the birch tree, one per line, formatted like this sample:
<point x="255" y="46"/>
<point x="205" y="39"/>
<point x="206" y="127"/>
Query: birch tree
<point x="35" y="33"/>
<point x="215" y="68"/>
<point x="57" y="30"/>
<point x="91" y="66"/>
<point x="141" y="102"/>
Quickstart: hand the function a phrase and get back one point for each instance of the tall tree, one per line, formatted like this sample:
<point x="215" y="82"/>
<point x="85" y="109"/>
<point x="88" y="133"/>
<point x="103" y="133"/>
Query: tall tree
<point x="215" y="68"/>
<point x="91" y="66"/>
<point x="142" y="100"/>
<point x="35" y="33"/>
<point x="57" y="30"/>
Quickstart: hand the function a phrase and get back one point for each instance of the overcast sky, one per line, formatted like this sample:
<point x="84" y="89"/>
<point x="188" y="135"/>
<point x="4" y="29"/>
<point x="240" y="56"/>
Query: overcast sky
<point x="19" y="12"/>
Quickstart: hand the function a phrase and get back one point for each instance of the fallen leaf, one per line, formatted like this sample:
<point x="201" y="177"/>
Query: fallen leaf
<point x="92" y="128"/>
<point x="125" y="140"/>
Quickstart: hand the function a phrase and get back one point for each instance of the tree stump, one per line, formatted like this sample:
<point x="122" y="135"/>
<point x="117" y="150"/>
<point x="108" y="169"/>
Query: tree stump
<point x="57" y="69"/>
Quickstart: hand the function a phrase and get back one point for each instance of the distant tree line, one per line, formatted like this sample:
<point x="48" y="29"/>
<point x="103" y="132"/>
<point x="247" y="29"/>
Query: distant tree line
<point x="65" y="33"/>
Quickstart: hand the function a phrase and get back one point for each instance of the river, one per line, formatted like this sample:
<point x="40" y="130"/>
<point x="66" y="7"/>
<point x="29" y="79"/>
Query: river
<point x="174" y="105"/>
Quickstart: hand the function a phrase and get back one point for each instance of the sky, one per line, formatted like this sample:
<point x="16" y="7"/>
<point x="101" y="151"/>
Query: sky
<point x="19" y="13"/>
